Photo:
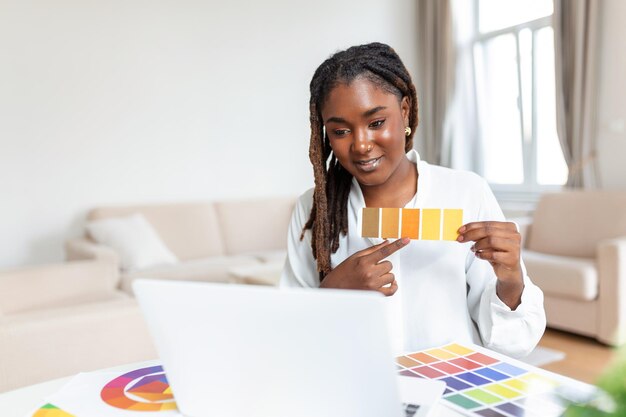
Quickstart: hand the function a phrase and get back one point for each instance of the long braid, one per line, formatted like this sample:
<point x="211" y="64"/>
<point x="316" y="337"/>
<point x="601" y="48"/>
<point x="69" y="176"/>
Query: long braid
<point x="380" y="64"/>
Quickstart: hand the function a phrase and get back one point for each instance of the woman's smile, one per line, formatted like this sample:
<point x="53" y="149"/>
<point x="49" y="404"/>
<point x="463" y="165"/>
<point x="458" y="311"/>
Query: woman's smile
<point x="368" y="165"/>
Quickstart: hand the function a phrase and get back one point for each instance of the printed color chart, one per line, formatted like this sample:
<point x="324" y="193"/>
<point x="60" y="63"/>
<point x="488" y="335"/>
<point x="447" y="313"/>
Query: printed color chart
<point x="424" y="224"/>
<point x="148" y="385"/>
<point x="50" y="410"/>
<point x="483" y="383"/>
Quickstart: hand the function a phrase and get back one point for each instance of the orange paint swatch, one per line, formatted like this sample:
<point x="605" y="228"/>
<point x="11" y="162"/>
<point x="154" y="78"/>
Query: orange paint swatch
<point x="391" y="223"/>
<point x="411" y="223"/>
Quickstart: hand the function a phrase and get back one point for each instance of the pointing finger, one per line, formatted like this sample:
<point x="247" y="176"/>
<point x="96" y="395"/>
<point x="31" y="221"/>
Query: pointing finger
<point x="387" y="250"/>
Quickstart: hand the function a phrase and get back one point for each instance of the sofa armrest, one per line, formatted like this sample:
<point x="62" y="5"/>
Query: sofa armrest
<point x="611" y="257"/>
<point x="31" y="288"/>
<point x="40" y="345"/>
<point x="82" y="248"/>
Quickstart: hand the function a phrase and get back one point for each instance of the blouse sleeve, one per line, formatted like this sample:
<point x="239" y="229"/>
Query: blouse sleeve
<point x="512" y="332"/>
<point x="300" y="268"/>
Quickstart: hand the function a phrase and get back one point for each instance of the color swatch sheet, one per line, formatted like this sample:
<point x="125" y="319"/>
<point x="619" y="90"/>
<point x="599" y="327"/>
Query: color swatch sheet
<point x="137" y="390"/>
<point x="480" y="382"/>
<point x="424" y="224"/>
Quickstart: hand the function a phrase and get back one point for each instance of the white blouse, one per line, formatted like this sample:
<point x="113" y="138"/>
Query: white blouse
<point x="445" y="293"/>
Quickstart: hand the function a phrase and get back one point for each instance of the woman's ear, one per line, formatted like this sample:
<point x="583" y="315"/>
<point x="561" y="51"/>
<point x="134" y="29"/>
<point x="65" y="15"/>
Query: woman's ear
<point x="405" y="106"/>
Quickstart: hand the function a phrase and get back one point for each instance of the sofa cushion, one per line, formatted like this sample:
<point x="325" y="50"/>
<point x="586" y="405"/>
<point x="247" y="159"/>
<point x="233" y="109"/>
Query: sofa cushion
<point x="191" y="230"/>
<point x="255" y="225"/>
<point x="269" y="256"/>
<point x="134" y="239"/>
<point x="571" y="223"/>
<point x="263" y="274"/>
<point x="561" y="276"/>
<point x="214" y="269"/>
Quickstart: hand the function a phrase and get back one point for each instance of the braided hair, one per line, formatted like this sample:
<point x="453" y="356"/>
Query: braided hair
<point x="379" y="64"/>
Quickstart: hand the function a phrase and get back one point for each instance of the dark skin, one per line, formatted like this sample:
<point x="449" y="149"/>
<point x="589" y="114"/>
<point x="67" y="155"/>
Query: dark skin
<point x="365" y="125"/>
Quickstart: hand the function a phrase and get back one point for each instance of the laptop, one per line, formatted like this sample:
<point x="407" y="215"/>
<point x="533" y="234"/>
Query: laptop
<point x="234" y="350"/>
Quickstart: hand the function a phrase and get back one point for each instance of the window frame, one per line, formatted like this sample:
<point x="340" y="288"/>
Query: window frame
<point x="527" y="193"/>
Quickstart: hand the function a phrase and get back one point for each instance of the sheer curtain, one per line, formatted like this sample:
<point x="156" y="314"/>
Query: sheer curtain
<point x="435" y="82"/>
<point x="575" y="42"/>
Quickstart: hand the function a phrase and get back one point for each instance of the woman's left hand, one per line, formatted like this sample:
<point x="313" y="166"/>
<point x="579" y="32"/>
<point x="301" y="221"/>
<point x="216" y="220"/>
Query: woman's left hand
<point x="499" y="244"/>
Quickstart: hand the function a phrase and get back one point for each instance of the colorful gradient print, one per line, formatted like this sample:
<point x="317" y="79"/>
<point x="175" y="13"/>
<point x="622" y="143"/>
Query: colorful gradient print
<point x="145" y="389"/>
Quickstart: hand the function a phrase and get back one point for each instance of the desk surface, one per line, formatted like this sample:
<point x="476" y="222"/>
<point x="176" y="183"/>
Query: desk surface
<point x="22" y="401"/>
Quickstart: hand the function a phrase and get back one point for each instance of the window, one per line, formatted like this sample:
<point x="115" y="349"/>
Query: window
<point x="513" y="50"/>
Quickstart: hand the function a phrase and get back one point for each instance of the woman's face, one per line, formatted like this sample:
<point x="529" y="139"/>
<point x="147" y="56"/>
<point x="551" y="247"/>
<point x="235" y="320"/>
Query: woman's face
<point x="365" y="126"/>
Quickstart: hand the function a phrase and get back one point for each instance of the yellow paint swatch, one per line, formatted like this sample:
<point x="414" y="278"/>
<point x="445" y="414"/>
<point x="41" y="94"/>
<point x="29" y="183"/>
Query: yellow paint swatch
<point x="431" y="223"/>
<point x="370" y="222"/>
<point x="452" y="221"/>
<point x="517" y="384"/>
<point x="461" y="350"/>
<point x="502" y="391"/>
<point x="441" y="354"/>
<point x="410" y="223"/>
<point x="391" y="223"/>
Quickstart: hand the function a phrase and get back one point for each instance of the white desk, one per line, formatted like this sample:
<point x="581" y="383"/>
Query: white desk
<point x="20" y="402"/>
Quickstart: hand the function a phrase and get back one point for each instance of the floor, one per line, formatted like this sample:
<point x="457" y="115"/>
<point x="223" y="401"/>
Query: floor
<point x="585" y="358"/>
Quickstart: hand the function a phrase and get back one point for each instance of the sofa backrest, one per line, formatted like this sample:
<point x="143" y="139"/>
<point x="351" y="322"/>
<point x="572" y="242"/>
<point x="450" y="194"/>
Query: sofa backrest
<point x="190" y="230"/>
<point x="255" y="225"/>
<point x="571" y="223"/>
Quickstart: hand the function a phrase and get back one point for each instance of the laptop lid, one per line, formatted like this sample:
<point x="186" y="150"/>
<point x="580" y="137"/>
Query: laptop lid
<point x="231" y="350"/>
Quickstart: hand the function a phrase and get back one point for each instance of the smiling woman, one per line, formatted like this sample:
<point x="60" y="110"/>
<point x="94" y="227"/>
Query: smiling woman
<point x="363" y="113"/>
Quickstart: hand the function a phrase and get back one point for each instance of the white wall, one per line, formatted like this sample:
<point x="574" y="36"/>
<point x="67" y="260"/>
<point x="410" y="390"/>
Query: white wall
<point x="129" y="101"/>
<point x="612" y="96"/>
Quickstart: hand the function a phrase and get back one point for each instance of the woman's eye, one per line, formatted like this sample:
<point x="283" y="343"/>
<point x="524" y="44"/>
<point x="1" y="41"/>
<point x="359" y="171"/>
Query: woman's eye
<point x="377" y="123"/>
<point x="341" y="132"/>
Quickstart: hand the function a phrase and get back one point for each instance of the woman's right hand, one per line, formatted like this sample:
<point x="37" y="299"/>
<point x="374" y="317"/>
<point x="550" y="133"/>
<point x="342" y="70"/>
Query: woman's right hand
<point x="367" y="270"/>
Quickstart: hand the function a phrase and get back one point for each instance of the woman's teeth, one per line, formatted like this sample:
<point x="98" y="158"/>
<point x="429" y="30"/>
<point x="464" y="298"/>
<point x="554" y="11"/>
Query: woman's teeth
<point x="370" y="164"/>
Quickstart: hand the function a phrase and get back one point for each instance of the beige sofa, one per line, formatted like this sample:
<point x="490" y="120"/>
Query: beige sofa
<point x="58" y="320"/>
<point x="575" y="250"/>
<point x="212" y="241"/>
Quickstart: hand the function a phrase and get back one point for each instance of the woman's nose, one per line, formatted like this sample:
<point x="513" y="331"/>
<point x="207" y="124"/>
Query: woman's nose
<point x="362" y="142"/>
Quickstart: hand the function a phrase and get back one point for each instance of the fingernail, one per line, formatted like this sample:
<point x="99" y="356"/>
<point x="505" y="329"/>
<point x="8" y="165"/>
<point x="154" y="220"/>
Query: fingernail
<point x="460" y="238"/>
<point x="462" y="229"/>
<point x="405" y="240"/>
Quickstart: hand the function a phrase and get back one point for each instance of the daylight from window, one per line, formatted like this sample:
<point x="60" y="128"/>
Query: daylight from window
<point x="515" y="93"/>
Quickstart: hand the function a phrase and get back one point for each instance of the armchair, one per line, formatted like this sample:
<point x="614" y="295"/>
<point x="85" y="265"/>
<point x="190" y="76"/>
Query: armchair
<point x="575" y="251"/>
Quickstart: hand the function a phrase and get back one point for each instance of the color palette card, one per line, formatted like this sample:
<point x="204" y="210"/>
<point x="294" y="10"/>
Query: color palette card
<point x="424" y="224"/>
<point x="135" y="390"/>
<point x="480" y="382"/>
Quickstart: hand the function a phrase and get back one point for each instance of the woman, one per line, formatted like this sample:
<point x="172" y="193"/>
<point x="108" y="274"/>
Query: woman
<point x="363" y="113"/>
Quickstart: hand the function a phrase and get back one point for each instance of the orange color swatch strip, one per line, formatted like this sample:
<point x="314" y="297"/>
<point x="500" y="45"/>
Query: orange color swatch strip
<point x="425" y="224"/>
